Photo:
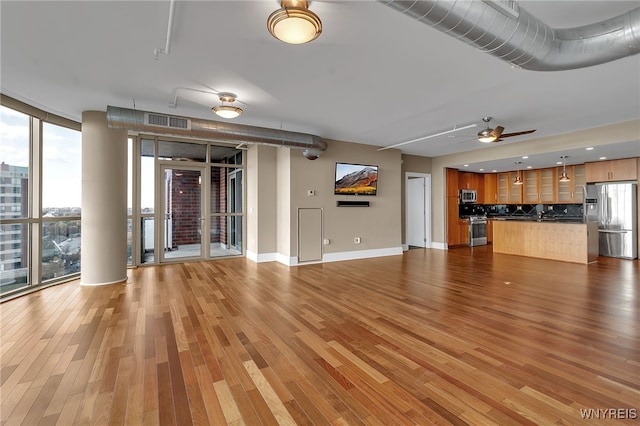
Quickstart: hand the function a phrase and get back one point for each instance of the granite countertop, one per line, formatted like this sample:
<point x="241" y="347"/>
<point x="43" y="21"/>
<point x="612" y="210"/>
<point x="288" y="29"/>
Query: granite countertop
<point x="550" y="219"/>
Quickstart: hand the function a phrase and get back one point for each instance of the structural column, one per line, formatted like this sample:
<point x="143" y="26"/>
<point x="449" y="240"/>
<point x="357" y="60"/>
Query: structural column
<point x="104" y="201"/>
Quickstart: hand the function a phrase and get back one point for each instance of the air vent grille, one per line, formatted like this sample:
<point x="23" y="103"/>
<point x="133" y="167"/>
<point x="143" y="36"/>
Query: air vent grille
<point x="167" y="121"/>
<point x="181" y="123"/>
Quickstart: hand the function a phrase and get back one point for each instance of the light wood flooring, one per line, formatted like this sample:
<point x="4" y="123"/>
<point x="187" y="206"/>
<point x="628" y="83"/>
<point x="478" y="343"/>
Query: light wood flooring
<point x="429" y="337"/>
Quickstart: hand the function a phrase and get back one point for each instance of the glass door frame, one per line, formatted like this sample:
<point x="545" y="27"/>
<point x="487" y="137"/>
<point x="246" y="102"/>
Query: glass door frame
<point x="161" y="231"/>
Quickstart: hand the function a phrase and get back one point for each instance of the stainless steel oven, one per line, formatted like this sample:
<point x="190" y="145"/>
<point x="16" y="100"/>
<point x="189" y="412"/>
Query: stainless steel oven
<point x="477" y="231"/>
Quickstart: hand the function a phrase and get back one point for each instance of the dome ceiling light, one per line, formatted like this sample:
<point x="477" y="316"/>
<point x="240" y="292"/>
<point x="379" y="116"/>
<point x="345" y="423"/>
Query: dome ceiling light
<point x="227" y="111"/>
<point x="294" y="23"/>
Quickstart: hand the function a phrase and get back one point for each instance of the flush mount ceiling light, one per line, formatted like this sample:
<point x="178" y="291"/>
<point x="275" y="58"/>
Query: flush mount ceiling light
<point x="294" y="23"/>
<point x="227" y="111"/>
<point x="564" y="177"/>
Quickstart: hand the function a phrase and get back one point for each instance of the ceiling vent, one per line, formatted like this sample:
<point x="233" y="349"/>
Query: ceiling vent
<point x="141" y="121"/>
<point x="167" y="121"/>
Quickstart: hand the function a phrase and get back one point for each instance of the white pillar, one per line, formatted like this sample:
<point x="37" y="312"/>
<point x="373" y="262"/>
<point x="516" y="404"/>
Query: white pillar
<point x="104" y="201"/>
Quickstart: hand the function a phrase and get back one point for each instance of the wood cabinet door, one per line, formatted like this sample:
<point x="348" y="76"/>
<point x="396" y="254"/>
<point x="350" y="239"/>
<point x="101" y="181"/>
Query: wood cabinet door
<point x="626" y="169"/>
<point x="463" y="227"/>
<point x="547" y="185"/>
<point x="515" y="191"/>
<point x="579" y="181"/>
<point x="452" y="182"/>
<point x="503" y="188"/>
<point x="531" y="186"/>
<point x="490" y="188"/>
<point x="597" y="171"/>
<point x="453" y="230"/>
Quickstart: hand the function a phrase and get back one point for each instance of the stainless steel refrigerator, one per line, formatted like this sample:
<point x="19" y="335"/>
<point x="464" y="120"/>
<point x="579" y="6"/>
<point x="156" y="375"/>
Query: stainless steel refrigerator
<point x="614" y="206"/>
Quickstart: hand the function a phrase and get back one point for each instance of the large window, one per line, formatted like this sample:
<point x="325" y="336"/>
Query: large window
<point x="61" y="193"/>
<point x="40" y="190"/>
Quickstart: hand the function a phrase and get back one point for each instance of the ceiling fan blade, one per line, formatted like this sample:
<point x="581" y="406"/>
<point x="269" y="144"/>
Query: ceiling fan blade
<point x="524" y="132"/>
<point x="497" y="132"/>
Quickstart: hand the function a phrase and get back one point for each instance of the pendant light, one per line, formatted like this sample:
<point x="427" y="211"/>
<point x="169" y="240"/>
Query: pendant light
<point x="564" y="177"/>
<point x="294" y="23"/>
<point x="227" y="111"/>
<point x="518" y="179"/>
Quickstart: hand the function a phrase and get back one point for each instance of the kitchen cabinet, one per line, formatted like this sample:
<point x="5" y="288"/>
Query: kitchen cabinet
<point x="539" y="186"/>
<point x="572" y="192"/>
<point x="515" y="191"/>
<point x="453" y="231"/>
<point x="612" y="170"/>
<point x="503" y="188"/>
<point x="508" y="192"/>
<point x="463" y="230"/>
<point x="467" y="180"/>
<point x="452" y="182"/>
<point x="490" y="188"/>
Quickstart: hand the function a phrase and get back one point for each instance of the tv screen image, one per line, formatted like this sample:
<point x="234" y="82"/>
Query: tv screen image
<point x="356" y="179"/>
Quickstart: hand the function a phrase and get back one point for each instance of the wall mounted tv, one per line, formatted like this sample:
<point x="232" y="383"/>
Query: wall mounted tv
<point x="356" y="179"/>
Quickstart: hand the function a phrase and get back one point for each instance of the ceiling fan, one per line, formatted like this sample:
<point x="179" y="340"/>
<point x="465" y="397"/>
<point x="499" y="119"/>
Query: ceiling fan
<point x="495" y="135"/>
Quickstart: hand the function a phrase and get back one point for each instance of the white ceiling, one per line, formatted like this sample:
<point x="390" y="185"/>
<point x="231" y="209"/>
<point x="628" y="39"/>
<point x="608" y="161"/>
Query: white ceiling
<point x="374" y="76"/>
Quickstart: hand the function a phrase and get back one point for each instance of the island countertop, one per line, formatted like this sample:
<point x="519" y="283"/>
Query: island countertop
<point x="570" y="241"/>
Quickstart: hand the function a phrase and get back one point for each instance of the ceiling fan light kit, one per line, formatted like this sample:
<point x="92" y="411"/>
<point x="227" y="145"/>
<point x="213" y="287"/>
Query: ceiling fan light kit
<point x="227" y="111"/>
<point x="294" y="23"/>
<point x="495" y="135"/>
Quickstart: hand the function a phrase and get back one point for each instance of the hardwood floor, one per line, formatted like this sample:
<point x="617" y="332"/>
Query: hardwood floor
<point x="429" y="337"/>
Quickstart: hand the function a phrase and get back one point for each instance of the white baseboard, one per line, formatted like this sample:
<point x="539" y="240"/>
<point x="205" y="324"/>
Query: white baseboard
<point x="286" y="260"/>
<point x="330" y="257"/>
<point x="439" y="246"/>
<point x="361" y="254"/>
<point x="262" y="257"/>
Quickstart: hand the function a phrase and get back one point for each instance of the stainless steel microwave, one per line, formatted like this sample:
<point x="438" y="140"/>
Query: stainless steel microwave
<point x="468" y="196"/>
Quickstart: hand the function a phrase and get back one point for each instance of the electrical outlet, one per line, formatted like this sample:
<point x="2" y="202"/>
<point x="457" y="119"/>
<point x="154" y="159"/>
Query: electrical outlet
<point x="326" y="241"/>
<point x="356" y="240"/>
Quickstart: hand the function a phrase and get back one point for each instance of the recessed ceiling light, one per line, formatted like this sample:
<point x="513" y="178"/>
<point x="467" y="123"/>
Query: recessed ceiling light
<point x="529" y="167"/>
<point x="525" y="156"/>
<point x="466" y="165"/>
<point x="603" y="158"/>
<point x="558" y="162"/>
<point x="493" y="171"/>
<point x="589" y="149"/>
<point x="482" y="170"/>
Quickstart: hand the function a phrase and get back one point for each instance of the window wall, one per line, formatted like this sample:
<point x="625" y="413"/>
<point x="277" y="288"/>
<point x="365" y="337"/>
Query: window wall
<point x="189" y="200"/>
<point x="40" y="200"/>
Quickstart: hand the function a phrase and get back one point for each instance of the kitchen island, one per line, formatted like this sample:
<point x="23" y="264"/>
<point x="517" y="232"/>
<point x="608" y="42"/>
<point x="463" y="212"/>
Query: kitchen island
<point x="565" y="240"/>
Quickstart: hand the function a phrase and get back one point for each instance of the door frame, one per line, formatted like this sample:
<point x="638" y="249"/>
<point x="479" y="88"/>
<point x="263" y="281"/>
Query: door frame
<point x="427" y="207"/>
<point x="161" y="213"/>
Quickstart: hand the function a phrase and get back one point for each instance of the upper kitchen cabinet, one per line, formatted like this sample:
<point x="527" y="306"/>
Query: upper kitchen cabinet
<point x="539" y="186"/>
<point x="571" y="192"/>
<point x="452" y="182"/>
<point x="508" y="191"/>
<point x="467" y="180"/>
<point x="612" y="170"/>
<point x="490" y="188"/>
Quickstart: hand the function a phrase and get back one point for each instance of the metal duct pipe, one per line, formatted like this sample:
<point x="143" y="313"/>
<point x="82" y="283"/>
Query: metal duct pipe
<point x="507" y="31"/>
<point x="142" y="121"/>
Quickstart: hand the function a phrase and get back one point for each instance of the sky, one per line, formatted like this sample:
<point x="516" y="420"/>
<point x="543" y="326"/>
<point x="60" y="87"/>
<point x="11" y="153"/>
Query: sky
<point x="62" y="157"/>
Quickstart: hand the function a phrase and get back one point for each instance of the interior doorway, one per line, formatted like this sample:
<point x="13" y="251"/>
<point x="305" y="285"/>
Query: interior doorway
<point x="418" y="210"/>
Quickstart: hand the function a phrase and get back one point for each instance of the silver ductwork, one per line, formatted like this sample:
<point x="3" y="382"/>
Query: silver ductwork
<point x="142" y="121"/>
<point x="507" y="31"/>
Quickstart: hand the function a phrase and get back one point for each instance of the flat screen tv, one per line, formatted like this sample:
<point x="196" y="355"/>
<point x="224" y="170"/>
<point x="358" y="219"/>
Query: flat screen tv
<point x="356" y="179"/>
